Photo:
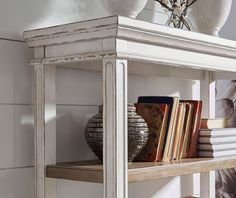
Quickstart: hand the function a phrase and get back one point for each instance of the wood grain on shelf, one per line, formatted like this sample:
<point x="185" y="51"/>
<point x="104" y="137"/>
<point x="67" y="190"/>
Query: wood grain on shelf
<point x="91" y="171"/>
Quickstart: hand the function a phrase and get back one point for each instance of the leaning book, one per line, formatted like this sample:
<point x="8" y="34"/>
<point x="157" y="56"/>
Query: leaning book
<point x="156" y="116"/>
<point x="173" y="103"/>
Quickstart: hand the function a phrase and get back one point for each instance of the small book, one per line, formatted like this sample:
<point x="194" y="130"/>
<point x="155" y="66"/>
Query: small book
<point x="218" y="132"/>
<point x="173" y="103"/>
<point x="179" y="130"/>
<point x="216" y="147"/>
<point x="195" y="126"/>
<point x="217" y="140"/>
<point x="156" y="116"/>
<point x="217" y="153"/>
<point x="186" y="136"/>
<point x="207" y="123"/>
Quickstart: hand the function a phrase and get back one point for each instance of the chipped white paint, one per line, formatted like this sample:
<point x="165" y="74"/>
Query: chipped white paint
<point x="115" y="128"/>
<point x="207" y="93"/>
<point x="39" y="131"/>
<point x="133" y="40"/>
<point x="45" y="126"/>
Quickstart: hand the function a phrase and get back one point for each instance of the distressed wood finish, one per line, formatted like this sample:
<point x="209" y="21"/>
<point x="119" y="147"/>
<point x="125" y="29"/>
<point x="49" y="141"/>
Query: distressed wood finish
<point x="133" y="40"/>
<point x="110" y="44"/>
<point x="45" y="129"/>
<point x="207" y="184"/>
<point x="151" y="69"/>
<point x="207" y="92"/>
<point x="115" y="128"/>
<point x="39" y="131"/>
<point x="91" y="171"/>
<point x="50" y="126"/>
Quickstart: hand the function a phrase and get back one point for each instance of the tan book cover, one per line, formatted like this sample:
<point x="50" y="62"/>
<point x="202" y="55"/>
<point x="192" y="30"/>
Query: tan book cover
<point x="216" y="123"/>
<point x="156" y="116"/>
<point x="167" y="155"/>
<point x="186" y="135"/>
<point x="179" y="130"/>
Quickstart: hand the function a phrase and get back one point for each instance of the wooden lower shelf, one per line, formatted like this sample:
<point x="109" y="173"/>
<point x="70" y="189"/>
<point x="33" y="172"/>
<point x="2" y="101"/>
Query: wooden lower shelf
<point x="92" y="171"/>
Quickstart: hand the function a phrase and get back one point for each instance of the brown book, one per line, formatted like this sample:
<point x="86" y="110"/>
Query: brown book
<point x="186" y="135"/>
<point x="195" y="127"/>
<point x="156" y="116"/>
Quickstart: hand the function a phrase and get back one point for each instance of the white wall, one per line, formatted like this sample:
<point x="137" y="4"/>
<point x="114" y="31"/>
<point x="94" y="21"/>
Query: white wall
<point x="229" y="30"/>
<point x="78" y="95"/>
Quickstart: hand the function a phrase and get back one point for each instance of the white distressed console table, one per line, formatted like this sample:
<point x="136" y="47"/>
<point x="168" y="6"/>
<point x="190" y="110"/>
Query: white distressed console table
<point x="119" y="46"/>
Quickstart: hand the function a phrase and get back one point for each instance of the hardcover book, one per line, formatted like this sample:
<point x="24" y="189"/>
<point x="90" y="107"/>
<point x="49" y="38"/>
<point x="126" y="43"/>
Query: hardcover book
<point x="173" y="103"/>
<point x="207" y="123"/>
<point x="218" y="132"/>
<point x="179" y="129"/>
<point x="156" y="116"/>
<point x="186" y="136"/>
<point x="196" y="126"/>
<point x="217" y="140"/>
<point x="213" y="154"/>
<point x="216" y="147"/>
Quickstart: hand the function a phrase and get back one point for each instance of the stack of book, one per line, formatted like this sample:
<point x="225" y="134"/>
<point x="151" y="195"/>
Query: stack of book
<point x="216" y="140"/>
<point x="173" y="125"/>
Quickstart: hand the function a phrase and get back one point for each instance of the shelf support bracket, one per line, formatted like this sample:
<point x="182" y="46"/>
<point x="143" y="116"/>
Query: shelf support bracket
<point x="115" y="160"/>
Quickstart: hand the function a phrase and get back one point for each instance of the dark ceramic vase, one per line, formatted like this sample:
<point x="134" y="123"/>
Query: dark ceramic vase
<point x="137" y="133"/>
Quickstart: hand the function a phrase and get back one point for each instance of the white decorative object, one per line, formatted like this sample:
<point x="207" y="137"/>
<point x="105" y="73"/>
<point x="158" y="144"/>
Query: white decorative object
<point x="128" y="8"/>
<point x="209" y="16"/>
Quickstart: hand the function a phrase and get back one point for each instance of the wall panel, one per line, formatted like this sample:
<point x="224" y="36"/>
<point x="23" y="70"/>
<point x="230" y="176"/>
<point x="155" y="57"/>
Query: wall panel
<point x="15" y="73"/>
<point x="16" y="136"/>
<point x="16" y="183"/>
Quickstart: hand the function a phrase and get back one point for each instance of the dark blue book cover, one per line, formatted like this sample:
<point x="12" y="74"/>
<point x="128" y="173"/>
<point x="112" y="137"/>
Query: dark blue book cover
<point x="156" y="99"/>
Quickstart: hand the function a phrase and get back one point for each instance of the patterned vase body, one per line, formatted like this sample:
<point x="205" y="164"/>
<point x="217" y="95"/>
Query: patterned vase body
<point x="137" y="133"/>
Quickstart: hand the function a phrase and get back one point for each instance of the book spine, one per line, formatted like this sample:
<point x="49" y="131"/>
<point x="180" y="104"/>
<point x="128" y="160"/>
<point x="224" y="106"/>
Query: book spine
<point x="204" y="124"/>
<point x="161" y="144"/>
<point x="196" y="128"/>
<point x="213" y="123"/>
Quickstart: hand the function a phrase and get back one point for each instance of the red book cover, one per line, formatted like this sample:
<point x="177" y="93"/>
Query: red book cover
<point x="155" y="116"/>
<point x="195" y="128"/>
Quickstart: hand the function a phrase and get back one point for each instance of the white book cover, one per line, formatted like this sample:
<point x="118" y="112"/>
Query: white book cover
<point x="218" y="132"/>
<point x="207" y="123"/>
<point x="217" y="140"/>
<point x="216" y="147"/>
<point x="216" y="154"/>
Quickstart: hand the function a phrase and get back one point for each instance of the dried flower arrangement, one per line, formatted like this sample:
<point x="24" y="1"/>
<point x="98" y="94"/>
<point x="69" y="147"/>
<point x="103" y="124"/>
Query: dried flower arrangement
<point x="178" y="10"/>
